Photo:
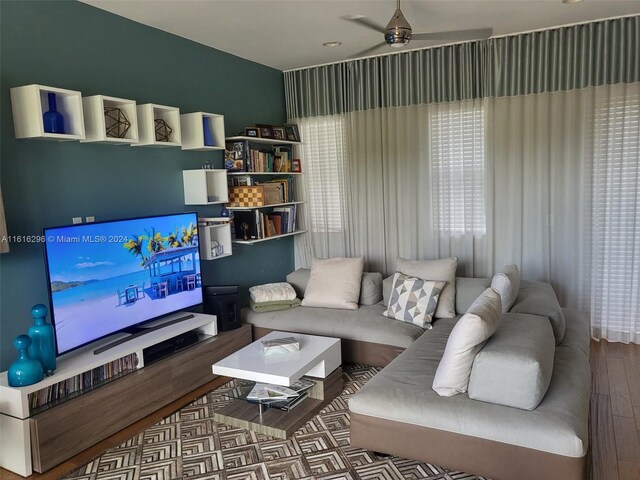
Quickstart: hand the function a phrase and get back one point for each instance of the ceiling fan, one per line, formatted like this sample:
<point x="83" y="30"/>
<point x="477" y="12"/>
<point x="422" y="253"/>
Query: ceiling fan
<point x="398" y="32"/>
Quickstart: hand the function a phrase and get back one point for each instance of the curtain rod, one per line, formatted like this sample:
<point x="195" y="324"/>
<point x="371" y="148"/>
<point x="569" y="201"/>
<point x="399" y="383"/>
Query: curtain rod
<point x="556" y="27"/>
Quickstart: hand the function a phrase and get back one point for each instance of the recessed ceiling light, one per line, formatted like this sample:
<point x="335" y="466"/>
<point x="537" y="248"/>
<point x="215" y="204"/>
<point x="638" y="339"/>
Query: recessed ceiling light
<point x="571" y="1"/>
<point x="331" y="44"/>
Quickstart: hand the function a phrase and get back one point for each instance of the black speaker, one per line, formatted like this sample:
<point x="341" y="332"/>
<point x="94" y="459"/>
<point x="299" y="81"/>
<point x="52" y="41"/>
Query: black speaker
<point x="222" y="301"/>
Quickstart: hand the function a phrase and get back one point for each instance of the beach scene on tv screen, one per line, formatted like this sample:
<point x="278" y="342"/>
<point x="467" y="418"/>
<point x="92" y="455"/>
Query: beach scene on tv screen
<point x="108" y="276"/>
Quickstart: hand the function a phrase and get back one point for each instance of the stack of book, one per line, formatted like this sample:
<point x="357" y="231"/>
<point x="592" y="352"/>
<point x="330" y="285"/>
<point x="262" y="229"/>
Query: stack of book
<point x="277" y="396"/>
<point x="256" y="224"/>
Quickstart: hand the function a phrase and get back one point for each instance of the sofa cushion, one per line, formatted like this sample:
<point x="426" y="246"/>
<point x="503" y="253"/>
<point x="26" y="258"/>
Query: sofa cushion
<point x="466" y="339"/>
<point x="443" y="270"/>
<point x="514" y="367"/>
<point x="507" y="284"/>
<point x="272" y="292"/>
<point x="334" y="283"/>
<point x="367" y="324"/>
<point x="413" y="300"/>
<point x="370" y="287"/>
<point x="577" y="331"/>
<point x="467" y="290"/>
<point x="538" y="298"/>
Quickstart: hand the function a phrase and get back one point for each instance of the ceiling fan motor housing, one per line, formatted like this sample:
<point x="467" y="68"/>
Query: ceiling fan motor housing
<point x="398" y="31"/>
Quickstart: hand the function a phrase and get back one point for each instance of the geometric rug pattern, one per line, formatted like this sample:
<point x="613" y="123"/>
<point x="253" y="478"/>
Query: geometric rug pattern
<point x="190" y="445"/>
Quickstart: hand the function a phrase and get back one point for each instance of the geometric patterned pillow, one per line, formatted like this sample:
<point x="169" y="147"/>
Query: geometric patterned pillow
<point x="413" y="300"/>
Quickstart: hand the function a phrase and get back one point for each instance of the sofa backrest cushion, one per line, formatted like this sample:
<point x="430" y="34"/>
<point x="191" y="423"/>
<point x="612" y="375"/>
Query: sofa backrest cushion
<point x="507" y="284"/>
<point x="467" y="290"/>
<point x="370" y="288"/>
<point x="538" y="298"/>
<point x="334" y="283"/>
<point x="514" y="367"/>
<point x="464" y="342"/>
<point x="443" y="270"/>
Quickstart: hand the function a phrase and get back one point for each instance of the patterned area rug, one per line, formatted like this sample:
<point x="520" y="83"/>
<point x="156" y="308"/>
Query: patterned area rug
<point x="190" y="445"/>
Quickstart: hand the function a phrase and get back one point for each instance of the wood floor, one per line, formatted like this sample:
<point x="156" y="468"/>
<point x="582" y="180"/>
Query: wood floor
<point x="615" y="411"/>
<point x="615" y="417"/>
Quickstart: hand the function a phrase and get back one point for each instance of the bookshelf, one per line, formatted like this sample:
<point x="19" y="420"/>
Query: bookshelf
<point x="266" y="239"/>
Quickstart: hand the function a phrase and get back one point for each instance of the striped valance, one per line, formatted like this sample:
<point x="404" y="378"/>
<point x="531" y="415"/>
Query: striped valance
<point x="566" y="58"/>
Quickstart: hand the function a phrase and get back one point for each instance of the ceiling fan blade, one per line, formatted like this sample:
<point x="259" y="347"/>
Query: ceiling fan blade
<point x="368" y="51"/>
<point x="366" y="23"/>
<point x="477" y="34"/>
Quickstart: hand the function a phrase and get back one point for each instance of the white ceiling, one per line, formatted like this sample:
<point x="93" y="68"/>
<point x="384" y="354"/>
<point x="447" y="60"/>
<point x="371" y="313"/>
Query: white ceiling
<point x="286" y="34"/>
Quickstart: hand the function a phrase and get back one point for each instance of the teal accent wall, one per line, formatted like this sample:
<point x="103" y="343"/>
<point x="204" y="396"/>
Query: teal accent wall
<point x="45" y="183"/>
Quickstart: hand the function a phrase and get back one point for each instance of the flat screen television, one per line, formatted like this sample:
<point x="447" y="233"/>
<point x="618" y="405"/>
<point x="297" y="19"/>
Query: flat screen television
<point x="106" y="277"/>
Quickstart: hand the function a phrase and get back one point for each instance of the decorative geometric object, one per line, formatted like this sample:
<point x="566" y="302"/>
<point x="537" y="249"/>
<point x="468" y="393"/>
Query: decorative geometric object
<point x="163" y="130"/>
<point x="116" y="122"/>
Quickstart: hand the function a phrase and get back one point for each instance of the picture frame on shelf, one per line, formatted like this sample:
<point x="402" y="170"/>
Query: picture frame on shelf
<point x="278" y="133"/>
<point x="292" y="132"/>
<point x="295" y="166"/>
<point x="252" y="132"/>
<point x="265" y="131"/>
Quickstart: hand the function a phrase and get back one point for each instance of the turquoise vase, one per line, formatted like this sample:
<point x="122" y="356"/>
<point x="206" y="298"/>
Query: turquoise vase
<point x="43" y="346"/>
<point x="25" y="370"/>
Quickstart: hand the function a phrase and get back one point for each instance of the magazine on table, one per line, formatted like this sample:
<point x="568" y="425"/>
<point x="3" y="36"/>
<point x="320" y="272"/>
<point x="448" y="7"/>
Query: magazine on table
<point x="278" y="396"/>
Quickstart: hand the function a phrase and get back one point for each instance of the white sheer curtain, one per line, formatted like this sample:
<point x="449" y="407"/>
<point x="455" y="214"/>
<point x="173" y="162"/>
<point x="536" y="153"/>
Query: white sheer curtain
<point x="549" y="181"/>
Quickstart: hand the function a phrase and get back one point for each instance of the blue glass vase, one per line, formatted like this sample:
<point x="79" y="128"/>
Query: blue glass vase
<point x="43" y="347"/>
<point x="208" y="134"/>
<point x="53" y="119"/>
<point x="25" y="370"/>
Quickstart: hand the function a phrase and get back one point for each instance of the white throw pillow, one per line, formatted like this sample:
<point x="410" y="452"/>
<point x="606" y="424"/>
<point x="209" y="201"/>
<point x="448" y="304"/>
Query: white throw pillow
<point x="413" y="300"/>
<point x="507" y="284"/>
<point x="465" y="341"/>
<point x="443" y="270"/>
<point x="334" y="283"/>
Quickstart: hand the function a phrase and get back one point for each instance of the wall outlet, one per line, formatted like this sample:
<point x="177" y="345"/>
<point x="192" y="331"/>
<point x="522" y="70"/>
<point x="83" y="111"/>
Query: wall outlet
<point x="76" y="220"/>
<point x="90" y="219"/>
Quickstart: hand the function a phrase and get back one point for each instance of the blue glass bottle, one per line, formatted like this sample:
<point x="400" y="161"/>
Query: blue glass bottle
<point x="208" y="134"/>
<point x="53" y="119"/>
<point x="25" y="370"/>
<point x="43" y="347"/>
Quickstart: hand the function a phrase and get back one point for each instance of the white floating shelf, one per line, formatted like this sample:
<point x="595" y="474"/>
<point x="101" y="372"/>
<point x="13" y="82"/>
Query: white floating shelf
<point x="192" y="125"/>
<point x="147" y="114"/>
<point x="269" y="141"/>
<point x="95" y="119"/>
<point x="275" y="237"/>
<point x="200" y="186"/>
<point x="220" y="233"/>
<point x="264" y="206"/>
<point x="30" y="102"/>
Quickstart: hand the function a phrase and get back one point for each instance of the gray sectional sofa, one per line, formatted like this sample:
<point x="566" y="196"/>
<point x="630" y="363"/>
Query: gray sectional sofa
<point x="398" y="412"/>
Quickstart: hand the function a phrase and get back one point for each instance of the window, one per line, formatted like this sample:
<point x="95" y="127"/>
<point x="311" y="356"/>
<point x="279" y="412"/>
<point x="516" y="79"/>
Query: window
<point x="457" y="162"/>
<point x="324" y="155"/>
<point x="615" y="216"/>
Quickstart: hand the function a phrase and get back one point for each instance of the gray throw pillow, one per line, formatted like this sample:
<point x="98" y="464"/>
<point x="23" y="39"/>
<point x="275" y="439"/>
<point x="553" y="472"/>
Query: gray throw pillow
<point x="507" y="284"/>
<point x="538" y="298"/>
<point x="467" y="290"/>
<point x="413" y="300"/>
<point x="514" y="367"/>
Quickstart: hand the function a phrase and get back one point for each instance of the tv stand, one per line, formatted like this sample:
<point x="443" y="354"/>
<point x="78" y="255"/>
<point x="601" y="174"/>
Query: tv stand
<point x="136" y="332"/>
<point x="38" y="441"/>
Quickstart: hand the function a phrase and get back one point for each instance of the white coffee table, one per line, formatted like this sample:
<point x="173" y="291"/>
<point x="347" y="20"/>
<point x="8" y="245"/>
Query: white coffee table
<point x="318" y="357"/>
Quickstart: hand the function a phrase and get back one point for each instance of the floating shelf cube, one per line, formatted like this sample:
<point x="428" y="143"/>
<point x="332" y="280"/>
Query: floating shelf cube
<point x="96" y="123"/>
<point x="205" y="187"/>
<point x="209" y="234"/>
<point x="192" y="125"/>
<point x="30" y="102"/>
<point x="147" y="114"/>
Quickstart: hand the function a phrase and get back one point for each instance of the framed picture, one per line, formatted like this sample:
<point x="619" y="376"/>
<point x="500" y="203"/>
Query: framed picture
<point x="251" y="132"/>
<point x="278" y="133"/>
<point x="291" y="132"/>
<point x="265" y="131"/>
<point x="295" y="166"/>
